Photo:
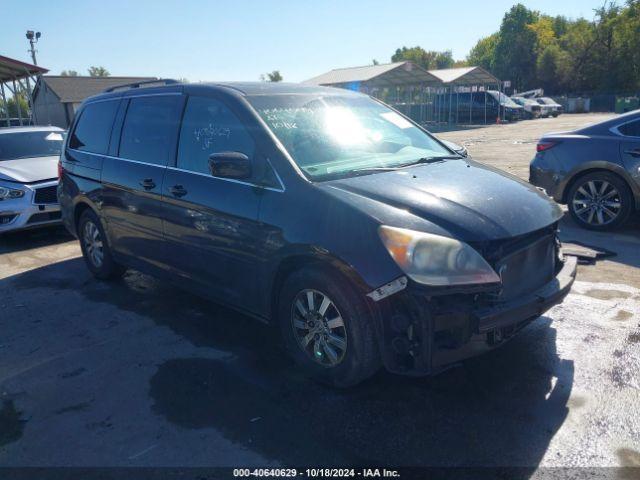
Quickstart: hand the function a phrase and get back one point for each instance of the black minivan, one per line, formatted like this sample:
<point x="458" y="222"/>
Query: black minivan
<point x="321" y="211"/>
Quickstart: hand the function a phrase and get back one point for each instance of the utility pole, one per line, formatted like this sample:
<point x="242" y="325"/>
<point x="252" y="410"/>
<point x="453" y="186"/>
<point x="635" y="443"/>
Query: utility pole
<point x="33" y="38"/>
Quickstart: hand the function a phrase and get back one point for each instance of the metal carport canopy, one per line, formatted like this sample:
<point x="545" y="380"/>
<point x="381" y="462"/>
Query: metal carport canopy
<point x="11" y="69"/>
<point x="465" y="76"/>
<point x="387" y="75"/>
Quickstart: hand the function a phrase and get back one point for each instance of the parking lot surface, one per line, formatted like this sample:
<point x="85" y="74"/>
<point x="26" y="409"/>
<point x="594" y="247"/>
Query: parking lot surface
<point x="139" y="373"/>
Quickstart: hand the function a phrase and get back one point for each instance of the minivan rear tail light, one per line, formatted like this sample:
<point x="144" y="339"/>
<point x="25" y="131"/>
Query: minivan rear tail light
<point x="60" y="170"/>
<point x="546" y="145"/>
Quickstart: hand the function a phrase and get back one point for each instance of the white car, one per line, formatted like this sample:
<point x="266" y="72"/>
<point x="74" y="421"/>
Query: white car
<point x="555" y="108"/>
<point x="29" y="177"/>
<point x="532" y="108"/>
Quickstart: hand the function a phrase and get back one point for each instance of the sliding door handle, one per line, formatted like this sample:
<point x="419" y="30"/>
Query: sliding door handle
<point x="178" y="191"/>
<point x="148" y="184"/>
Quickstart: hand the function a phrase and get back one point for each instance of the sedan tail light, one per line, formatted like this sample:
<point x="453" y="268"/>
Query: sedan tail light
<point x="545" y="145"/>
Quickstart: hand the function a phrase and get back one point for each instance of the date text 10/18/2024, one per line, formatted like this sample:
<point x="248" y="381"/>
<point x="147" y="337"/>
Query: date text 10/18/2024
<point x="316" y="472"/>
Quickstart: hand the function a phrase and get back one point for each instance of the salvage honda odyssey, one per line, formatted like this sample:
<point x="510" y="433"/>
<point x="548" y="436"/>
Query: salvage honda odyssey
<point x="363" y="238"/>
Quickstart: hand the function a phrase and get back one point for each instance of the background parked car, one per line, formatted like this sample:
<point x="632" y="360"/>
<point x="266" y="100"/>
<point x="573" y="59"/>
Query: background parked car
<point x="554" y="107"/>
<point x="29" y="177"/>
<point x="595" y="170"/>
<point x="532" y="108"/>
<point x="485" y="106"/>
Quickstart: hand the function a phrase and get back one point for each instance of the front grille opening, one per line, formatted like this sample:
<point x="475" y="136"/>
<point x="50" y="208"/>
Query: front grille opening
<point x="6" y="219"/>
<point x="524" y="263"/>
<point x="46" y="195"/>
<point x="44" y="217"/>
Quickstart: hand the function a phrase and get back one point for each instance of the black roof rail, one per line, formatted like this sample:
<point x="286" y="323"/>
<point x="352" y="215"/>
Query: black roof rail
<point x="163" y="81"/>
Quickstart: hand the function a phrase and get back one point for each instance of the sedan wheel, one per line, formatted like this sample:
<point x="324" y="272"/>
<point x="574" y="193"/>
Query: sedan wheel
<point x="597" y="202"/>
<point x="319" y="328"/>
<point x="600" y="201"/>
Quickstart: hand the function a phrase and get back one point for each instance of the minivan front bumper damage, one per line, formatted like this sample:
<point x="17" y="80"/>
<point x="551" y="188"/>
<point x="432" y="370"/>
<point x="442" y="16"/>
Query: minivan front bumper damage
<point x="421" y="334"/>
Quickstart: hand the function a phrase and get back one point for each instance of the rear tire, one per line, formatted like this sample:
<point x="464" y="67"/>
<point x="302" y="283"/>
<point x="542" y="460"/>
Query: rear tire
<point x="600" y="201"/>
<point x="343" y="361"/>
<point x="95" y="248"/>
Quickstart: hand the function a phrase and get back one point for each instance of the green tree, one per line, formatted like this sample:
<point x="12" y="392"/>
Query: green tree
<point x="430" y="60"/>
<point x="483" y="53"/>
<point x="274" y="76"/>
<point x="533" y="50"/>
<point x="628" y="44"/>
<point x="98" y="72"/>
<point x="560" y="25"/>
<point x="12" y="106"/>
<point x="69" y="73"/>
<point x="444" y="59"/>
<point x="515" y="52"/>
<point x="545" y="33"/>
<point x="551" y="68"/>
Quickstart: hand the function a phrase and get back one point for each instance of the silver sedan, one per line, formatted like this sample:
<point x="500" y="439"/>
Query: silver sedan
<point x="29" y="177"/>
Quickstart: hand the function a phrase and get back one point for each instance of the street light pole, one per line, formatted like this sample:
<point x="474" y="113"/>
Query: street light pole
<point x="33" y="38"/>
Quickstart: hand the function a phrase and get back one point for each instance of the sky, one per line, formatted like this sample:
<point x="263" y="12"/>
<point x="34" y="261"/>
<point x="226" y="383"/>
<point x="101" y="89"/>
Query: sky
<point x="242" y="39"/>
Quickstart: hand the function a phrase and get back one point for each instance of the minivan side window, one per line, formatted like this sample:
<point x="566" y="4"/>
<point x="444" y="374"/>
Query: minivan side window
<point x="208" y="126"/>
<point x="93" y="129"/>
<point x="631" y="129"/>
<point x="149" y="129"/>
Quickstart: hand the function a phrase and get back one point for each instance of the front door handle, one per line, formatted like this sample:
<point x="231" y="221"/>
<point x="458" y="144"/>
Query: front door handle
<point x="634" y="153"/>
<point x="148" y="184"/>
<point x="178" y="191"/>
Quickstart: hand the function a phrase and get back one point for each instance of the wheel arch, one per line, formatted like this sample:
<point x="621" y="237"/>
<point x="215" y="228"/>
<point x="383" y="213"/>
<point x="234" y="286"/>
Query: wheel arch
<point x="310" y="259"/>
<point x="605" y="167"/>
<point x="78" y="210"/>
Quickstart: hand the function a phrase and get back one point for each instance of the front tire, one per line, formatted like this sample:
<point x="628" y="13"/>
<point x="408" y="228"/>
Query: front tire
<point x="327" y="328"/>
<point x="95" y="248"/>
<point x="600" y="201"/>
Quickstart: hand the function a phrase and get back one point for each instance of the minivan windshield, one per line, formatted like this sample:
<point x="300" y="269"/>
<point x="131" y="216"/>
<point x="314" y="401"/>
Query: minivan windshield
<point x="504" y="100"/>
<point x="335" y="136"/>
<point x="30" y="144"/>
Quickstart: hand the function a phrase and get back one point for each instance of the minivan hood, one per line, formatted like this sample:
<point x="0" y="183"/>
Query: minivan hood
<point x="470" y="201"/>
<point x="29" y="170"/>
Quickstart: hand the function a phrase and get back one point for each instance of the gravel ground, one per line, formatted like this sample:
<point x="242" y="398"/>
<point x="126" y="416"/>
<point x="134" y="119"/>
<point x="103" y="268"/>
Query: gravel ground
<point x="137" y="373"/>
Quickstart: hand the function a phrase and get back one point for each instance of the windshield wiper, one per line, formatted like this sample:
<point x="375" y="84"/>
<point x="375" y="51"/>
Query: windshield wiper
<point x="430" y="160"/>
<point x="422" y="160"/>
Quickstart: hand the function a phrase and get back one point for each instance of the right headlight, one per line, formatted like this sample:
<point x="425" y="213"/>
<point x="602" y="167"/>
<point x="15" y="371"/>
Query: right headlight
<point x="436" y="260"/>
<point x="8" y="193"/>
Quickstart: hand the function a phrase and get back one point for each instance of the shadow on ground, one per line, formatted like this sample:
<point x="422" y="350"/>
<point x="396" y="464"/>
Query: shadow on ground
<point x="30" y="239"/>
<point x="499" y="409"/>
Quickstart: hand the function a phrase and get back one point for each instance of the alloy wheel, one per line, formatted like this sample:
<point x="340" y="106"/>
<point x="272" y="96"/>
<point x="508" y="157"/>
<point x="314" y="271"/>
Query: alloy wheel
<point x="597" y="202"/>
<point x="319" y="327"/>
<point x="93" y="244"/>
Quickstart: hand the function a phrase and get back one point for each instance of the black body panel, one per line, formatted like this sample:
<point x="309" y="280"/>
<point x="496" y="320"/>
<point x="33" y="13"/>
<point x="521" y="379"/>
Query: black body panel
<point x="232" y="240"/>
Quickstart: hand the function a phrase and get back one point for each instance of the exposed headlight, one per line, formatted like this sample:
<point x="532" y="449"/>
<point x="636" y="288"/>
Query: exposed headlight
<point x="435" y="260"/>
<point x="8" y="193"/>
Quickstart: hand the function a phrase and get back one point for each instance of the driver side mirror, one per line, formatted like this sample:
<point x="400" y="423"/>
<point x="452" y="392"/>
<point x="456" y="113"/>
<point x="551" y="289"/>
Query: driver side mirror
<point x="234" y="165"/>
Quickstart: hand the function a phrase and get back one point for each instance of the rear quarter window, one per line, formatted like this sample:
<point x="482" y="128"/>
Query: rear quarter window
<point x="93" y="129"/>
<point x="631" y="129"/>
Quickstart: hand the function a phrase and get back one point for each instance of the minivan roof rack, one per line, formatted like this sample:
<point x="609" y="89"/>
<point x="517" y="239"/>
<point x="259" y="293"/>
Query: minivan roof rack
<point x="163" y="81"/>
